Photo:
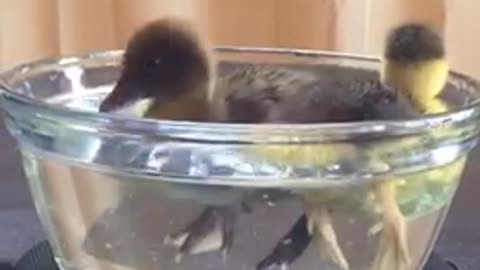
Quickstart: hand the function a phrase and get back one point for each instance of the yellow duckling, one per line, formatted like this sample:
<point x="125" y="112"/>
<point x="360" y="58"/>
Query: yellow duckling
<point x="305" y="100"/>
<point x="415" y="63"/>
<point x="416" y="68"/>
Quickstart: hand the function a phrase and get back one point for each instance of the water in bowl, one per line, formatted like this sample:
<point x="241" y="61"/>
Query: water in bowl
<point x="103" y="219"/>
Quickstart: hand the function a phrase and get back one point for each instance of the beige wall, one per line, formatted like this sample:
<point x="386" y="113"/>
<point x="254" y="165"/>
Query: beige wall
<point x="31" y="29"/>
<point x="463" y="35"/>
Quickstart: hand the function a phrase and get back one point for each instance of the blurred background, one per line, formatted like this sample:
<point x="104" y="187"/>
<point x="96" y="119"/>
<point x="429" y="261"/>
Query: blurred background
<point x="33" y="29"/>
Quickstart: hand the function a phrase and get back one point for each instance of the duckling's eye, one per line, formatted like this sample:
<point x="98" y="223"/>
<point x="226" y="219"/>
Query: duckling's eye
<point x="152" y="64"/>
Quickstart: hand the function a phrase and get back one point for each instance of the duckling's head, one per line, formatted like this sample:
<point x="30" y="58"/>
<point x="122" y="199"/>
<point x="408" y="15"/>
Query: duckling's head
<point x="415" y="63"/>
<point x="410" y="43"/>
<point x="164" y="61"/>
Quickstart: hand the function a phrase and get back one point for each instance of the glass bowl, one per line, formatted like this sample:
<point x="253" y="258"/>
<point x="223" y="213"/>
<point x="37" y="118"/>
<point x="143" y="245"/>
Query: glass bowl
<point x="117" y="192"/>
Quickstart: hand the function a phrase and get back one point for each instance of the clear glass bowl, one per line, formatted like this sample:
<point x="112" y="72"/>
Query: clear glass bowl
<point x="112" y="189"/>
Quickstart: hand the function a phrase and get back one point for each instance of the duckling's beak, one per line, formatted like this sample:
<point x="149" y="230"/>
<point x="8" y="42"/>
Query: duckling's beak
<point x="125" y="92"/>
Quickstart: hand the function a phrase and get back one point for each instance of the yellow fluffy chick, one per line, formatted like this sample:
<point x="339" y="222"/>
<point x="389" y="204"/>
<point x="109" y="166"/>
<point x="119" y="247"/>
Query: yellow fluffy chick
<point x="291" y="97"/>
<point x="414" y="63"/>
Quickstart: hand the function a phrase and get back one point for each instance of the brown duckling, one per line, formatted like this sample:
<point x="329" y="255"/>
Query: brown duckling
<point x="167" y="62"/>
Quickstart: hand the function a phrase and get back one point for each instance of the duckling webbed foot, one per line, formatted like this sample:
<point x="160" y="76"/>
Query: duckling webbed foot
<point x="289" y="248"/>
<point x="320" y="225"/>
<point x="211" y="231"/>
<point x="393" y="250"/>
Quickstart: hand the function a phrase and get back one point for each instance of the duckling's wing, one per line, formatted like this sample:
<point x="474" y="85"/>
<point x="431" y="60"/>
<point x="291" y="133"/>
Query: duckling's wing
<point x="342" y="101"/>
<point x="381" y="102"/>
<point x="250" y="91"/>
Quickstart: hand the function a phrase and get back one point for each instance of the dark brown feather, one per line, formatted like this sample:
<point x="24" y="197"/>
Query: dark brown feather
<point x="264" y="94"/>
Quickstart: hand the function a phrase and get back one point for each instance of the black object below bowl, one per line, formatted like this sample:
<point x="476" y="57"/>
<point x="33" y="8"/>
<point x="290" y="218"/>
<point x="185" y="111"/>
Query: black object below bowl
<point x="40" y="257"/>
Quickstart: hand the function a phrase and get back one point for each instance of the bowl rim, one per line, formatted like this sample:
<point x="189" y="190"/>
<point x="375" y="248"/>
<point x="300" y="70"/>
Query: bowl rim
<point x="237" y="132"/>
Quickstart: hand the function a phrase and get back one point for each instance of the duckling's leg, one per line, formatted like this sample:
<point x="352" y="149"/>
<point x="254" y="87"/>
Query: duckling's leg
<point x="393" y="253"/>
<point x="211" y="231"/>
<point x="289" y="248"/>
<point x="320" y="225"/>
